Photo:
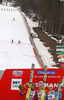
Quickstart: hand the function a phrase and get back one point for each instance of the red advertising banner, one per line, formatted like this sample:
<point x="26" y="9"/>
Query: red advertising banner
<point x="12" y="78"/>
<point x="62" y="65"/>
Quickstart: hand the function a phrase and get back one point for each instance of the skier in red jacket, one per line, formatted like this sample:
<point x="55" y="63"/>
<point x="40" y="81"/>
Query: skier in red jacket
<point x="32" y="93"/>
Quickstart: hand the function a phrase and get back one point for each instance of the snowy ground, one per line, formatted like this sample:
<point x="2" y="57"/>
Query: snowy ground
<point x="43" y="51"/>
<point x="14" y="55"/>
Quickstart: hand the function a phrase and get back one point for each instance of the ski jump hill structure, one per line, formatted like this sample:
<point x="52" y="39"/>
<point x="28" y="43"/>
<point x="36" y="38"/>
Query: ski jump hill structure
<point x="16" y="58"/>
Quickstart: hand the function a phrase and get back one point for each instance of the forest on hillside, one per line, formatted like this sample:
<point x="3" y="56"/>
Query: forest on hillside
<point x="49" y="13"/>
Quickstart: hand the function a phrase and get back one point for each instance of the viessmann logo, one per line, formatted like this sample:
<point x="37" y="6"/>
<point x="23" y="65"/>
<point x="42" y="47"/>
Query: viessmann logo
<point x="48" y="72"/>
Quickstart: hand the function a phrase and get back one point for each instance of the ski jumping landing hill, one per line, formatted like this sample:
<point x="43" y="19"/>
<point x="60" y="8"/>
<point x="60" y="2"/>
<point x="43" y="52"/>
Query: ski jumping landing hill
<point x="14" y="55"/>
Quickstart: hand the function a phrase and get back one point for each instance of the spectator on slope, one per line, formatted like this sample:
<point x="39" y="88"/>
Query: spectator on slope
<point x="32" y="93"/>
<point x="19" y="42"/>
<point x="13" y="19"/>
<point x="12" y="41"/>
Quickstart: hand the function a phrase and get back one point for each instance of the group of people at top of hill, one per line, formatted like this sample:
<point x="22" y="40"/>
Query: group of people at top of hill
<point x="36" y="95"/>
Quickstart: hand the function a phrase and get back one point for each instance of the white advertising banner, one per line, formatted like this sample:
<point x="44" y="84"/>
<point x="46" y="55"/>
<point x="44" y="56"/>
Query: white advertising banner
<point x="15" y="83"/>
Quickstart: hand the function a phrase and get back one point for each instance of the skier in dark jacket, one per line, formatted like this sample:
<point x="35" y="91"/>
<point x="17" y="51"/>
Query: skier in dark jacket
<point x="19" y="42"/>
<point x="12" y="41"/>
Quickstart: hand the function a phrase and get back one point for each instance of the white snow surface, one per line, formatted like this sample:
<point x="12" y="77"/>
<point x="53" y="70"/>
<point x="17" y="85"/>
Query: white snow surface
<point x="44" y="53"/>
<point x="46" y="57"/>
<point x="14" y="55"/>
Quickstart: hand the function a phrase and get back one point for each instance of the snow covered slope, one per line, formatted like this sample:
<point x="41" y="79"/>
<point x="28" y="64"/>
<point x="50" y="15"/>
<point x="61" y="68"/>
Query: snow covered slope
<point x="43" y="51"/>
<point x="14" y="55"/>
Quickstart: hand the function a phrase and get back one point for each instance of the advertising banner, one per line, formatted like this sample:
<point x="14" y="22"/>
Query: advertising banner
<point x="13" y="77"/>
<point x="15" y="83"/>
<point x="62" y="64"/>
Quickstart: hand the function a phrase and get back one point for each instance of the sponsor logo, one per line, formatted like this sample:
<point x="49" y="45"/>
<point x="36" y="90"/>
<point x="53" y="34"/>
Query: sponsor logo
<point x="47" y="84"/>
<point x="59" y="46"/>
<point x="18" y="72"/>
<point x="60" y="50"/>
<point x="61" y="60"/>
<point x="61" y="64"/>
<point x="15" y="83"/>
<point x="60" y="53"/>
<point x="48" y="72"/>
<point x="60" y="56"/>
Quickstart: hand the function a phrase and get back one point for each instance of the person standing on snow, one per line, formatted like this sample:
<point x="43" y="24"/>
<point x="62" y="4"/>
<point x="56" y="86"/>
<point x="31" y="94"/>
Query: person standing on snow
<point x="32" y="93"/>
<point x="12" y="41"/>
<point x="13" y="19"/>
<point x="19" y="42"/>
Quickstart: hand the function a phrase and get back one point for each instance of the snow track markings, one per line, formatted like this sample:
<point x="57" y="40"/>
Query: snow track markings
<point x="23" y="52"/>
<point x="14" y="42"/>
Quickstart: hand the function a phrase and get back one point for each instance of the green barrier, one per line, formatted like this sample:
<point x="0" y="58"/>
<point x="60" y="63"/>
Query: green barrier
<point x="60" y="53"/>
<point x="59" y="46"/>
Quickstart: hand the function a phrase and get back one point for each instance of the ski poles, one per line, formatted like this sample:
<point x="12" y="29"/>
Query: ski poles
<point x="30" y="81"/>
